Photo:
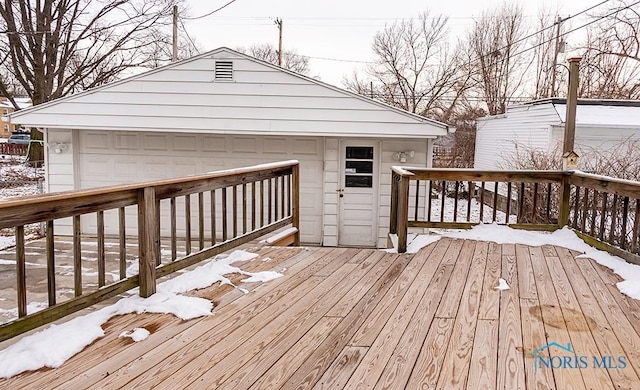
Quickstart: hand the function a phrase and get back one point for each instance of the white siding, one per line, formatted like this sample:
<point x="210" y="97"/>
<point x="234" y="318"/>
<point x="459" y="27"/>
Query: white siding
<point x="261" y="100"/>
<point x="601" y="138"/>
<point x="59" y="172"/>
<point x="499" y="138"/>
<point x="420" y="147"/>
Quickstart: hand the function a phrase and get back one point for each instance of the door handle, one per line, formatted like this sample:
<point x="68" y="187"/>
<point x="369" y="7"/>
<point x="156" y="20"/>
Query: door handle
<point x="341" y="192"/>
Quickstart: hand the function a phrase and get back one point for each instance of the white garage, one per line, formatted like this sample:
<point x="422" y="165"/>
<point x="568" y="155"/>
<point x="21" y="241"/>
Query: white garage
<point x="224" y="110"/>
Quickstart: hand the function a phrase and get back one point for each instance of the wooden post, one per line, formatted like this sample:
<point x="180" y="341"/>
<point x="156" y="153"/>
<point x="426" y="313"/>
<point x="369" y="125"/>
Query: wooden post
<point x="393" y="222"/>
<point x="403" y="213"/>
<point x="295" y="200"/>
<point x="147" y="241"/>
<point x="565" y="191"/>
<point x="572" y="102"/>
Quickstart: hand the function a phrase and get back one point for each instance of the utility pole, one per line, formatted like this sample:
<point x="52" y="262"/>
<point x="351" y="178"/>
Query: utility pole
<point x="555" y="57"/>
<point x="174" y="57"/>
<point x="572" y="103"/>
<point x="278" y="22"/>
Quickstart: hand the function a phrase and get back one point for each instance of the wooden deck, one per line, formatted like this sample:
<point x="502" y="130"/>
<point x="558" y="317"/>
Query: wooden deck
<point x="347" y="318"/>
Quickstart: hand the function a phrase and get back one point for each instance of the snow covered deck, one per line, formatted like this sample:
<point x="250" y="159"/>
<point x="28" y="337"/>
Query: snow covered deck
<point x="345" y="317"/>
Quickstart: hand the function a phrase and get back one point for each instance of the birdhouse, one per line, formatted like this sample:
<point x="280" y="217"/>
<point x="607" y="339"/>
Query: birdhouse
<point x="570" y="161"/>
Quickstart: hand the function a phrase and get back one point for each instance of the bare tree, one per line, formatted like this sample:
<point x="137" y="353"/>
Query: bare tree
<point x="57" y="47"/>
<point x="414" y="67"/>
<point x="495" y="40"/>
<point x="610" y="68"/>
<point x="290" y="58"/>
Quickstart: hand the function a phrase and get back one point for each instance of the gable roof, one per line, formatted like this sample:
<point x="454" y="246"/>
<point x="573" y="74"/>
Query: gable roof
<point x="261" y="99"/>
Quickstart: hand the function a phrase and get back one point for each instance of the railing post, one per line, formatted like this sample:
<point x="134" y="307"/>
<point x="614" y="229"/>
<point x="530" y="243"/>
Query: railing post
<point x="402" y="213"/>
<point x="295" y="201"/>
<point x="393" y="222"/>
<point x="147" y="241"/>
<point x="565" y="192"/>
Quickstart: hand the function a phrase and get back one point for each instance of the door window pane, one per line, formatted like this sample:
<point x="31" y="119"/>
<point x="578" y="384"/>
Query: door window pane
<point x="360" y="152"/>
<point x="358" y="181"/>
<point x="359" y="166"/>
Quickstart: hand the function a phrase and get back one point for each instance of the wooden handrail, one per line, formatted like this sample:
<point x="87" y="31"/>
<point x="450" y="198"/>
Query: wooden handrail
<point x="600" y="209"/>
<point x="281" y="200"/>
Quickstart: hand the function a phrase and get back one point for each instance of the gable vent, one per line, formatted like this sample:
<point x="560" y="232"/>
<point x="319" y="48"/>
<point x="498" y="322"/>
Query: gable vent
<point x="224" y="71"/>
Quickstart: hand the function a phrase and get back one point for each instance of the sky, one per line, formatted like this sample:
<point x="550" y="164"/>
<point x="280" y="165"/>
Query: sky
<point x="337" y="35"/>
<point x="55" y="344"/>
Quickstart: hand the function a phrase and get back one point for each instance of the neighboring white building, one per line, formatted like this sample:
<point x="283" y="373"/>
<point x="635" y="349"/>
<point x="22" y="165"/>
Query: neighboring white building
<point x="539" y="124"/>
<point x="224" y="109"/>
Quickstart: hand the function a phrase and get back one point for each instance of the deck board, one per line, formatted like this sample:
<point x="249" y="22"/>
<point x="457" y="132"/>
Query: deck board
<point x="354" y="318"/>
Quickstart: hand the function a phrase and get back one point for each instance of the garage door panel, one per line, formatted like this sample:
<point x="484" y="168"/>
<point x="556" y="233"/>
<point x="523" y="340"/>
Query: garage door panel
<point x="109" y="159"/>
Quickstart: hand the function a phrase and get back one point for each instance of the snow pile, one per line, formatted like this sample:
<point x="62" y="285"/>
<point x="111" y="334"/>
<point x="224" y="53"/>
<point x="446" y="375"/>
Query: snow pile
<point x="563" y="238"/>
<point x="52" y="346"/>
<point x="138" y="334"/>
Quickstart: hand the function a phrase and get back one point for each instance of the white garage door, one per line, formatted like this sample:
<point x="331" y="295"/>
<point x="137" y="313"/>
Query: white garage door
<point x="109" y="158"/>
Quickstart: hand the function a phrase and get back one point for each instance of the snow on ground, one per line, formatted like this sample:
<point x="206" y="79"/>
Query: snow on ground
<point x="502" y="285"/>
<point x="52" y="346"/>
<point x="563" y="238"/>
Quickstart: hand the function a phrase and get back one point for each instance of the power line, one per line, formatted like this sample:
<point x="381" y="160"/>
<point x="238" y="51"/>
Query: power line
<point x="212" y="12"/>
<point x="189" y="37"/>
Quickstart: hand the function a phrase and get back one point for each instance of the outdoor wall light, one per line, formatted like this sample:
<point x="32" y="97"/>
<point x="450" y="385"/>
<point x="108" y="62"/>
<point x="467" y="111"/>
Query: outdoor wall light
<point x="402" y="156"/>
<point x="58" y="147"/>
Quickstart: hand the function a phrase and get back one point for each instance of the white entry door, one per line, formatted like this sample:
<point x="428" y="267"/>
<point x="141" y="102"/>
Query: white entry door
<point x="358" y="193"/>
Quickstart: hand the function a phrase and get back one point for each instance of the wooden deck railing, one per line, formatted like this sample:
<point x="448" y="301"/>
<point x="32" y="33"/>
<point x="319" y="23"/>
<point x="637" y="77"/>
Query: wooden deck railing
<point x="603" y="211"/>
<point x="13" y="149"/>
<point x="214" y="211"/>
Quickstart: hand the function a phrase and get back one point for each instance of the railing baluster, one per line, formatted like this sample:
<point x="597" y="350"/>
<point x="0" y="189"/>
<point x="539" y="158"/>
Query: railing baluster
<point x="234" y="210"/>
<point x="521" y="201"/>
<point x="415" y="217"/>
<point x="244" y="208"/>
<point x="101" y="255"/>
<point x="253" y="205"/>
<point x="576" y="208"/>
<point x="269" y="203"/>
<point x="636" y="227"/>
<point x="442" y="199"/>
<point x="495" y="201"/>
<point x="547" y="214"/>
<point x="51" y="264"/>
<point x="174" y="228"/>
<point x="469" y="196"/>
<point x="614" y="217"/>
<point x="428" y="200"/>
<point x="534" y="215"/>
<point x="290" y="194"/>
<point x="122" y="241"/>
<point x="201" y="219"/>
<point x="21" y="272"/>
<point x="625" y="217"/>
<point x="77" y="257"/>
<point x="262" y="197"/>
<point x="594" y="204"/>
<point x="282" y="197"/>
<point x="224" y="215"/>
<point x="603" y="214"/>
<point x="212" y="199"/>
<point x="455" y="201"/>
<point x="508" y="205"/>
<point x="187" y="222"/>
<point x="482" y="202"/>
